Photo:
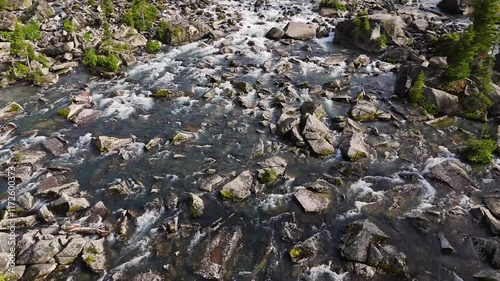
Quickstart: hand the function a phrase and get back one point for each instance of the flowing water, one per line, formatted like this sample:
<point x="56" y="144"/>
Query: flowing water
<point x="225" y="136"/>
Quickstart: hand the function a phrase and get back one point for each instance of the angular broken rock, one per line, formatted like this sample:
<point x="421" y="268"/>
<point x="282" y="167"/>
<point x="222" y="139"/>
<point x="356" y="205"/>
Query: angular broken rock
<point x="445" y="245"/>
<point x="306" y="249"/>
<point x="317" y="136"/>
<point x="211" y="182"/>
<point x="70" y="204"/>
<point x="38" y="271"/>
<point x="55" y="146"/>
<point x="40" y="252"/>
<point x="181" y="137"/>
<point x="215" y="256"/>
<point x="94" y="255"/>
<point x="239" y="188"/>
<point x="196" y="205"/>
<point x="312" y="202"/>
<point x="452" y="175"/>
<point x="18" y="223"/>
<point x="71" y="251"/>
<point x="110" y="144"/>
<point x="358" y="237"/>
<point x="276" y="163"/>
<point x="50" y="187"/>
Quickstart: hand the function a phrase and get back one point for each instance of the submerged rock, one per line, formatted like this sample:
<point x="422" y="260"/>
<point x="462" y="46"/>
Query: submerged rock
<point x="216" y="255"/>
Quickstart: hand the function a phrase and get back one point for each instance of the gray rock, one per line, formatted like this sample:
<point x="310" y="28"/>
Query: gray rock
<point x="211" y="182"/>
<point x="446" y="103"/>
<point x="7" y="21"/>
<point x="494" y="110"/>
<point x="19" y="223"/>
<point x="110" y="144"/>
<point x="196" y="205"/>
<point x="44" y="10"/>
<point x="40" y="252"/>
<point x="148" y="276"/>
<point x="11" y="109"/>
<point x="300" y="31"/>
<point x="460" y="7"/>
<point x="153" y="143"/>
<point x="493" y="222"/>
<point x="452" y="175"/>
<point x="38" y="271"/>
<point x="317" y="135"/>
<point x="85" y="116"/>
<point x="214" y="257"/>
<point x="100" y="210"/>
<point x="487" y="275"/>
<point x="70" y="204"/>
<point x="276" y="163"/>
<point x="55" y="146"/>
<point x="365" y="110"/>
<point x="337" y="84"/>
<point x="421" y="24"/>
<point x="45" y="214"/>
<point x="312" y="202"/>
<point x="354" y="147"/>
<point x="396" y="55"/>
<point x="243" y="86"/>
<point x="181" y="137"/>
<point x="71" y="251"/>
<point x="239" y="188"/>
<point x="17" y="4"/>
<point x="391" y="26"/>
<point x="357" y="239"/>
<point x="94" y="255"/>
<point x="305" y="250"/>
<point x="275" y="33"/>
<point x="492" y="202"/>
<point x="26" y="201"/>
<point x="445" y="245"/>
<point x="51" y="188"/>
<point x="438" y="62"/>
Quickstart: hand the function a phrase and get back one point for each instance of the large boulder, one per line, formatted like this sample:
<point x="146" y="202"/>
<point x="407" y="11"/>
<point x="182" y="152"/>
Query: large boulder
<point x="354" y="147"/>
<point x="40" y="252"/>
<point x="458" y="7"/>
<point x="300" y="31"/>
<point x="446" y="103"/>
<point x="109" y="144"/>
<point x="186" y="32"/>
<point x="382" y="29"/>
<point x="410" y="71"/>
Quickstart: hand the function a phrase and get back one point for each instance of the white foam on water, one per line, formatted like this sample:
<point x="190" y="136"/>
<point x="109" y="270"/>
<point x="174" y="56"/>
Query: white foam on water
<point x="80" y="147"/>
<point x="273" y="201"/>
<point x="434" y="161"/>
<point x="143" y="226"/>
<point x="195" y="240"/>
<point x="324" y="273"/>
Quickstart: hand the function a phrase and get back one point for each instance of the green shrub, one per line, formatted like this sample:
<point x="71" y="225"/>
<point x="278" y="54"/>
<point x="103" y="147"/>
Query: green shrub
<point x="382" y="41"/>
<point x="153" y="47"/>
<point x="361" y="26"/>
<point x="108" y="8"/>
<point x="90" y="59"/>
<point x="334" y="4"/>
<point x="416" y="93"/>
<point x="269" y="176"/>
<point x="68" y="26"/>
<point x="32" y="31"/>
<point x="109" y="62"/>
<point x="479" y="150"/>
<point x="87" y="37"/>
<point x="141" y="15"/>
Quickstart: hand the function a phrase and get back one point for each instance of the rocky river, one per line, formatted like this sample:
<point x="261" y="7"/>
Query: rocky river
<point x="264" y="151"/>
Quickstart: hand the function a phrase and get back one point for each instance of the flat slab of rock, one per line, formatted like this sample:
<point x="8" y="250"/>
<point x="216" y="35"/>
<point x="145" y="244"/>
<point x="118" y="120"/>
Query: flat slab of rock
<point x="19" y="223"/>
<point x="52" y="187"/>
<point x="452" y="175"/>
<point x="40" y="252"/>
<point x="300" y="31"/>
<point x="94" y="255"/>
<point x="239" y="188"/>
<point x="317" y="136"/>
<point x="55" y="146"/>
<point x="312" y="202"/>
